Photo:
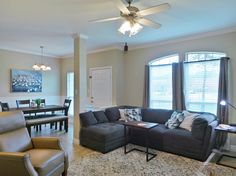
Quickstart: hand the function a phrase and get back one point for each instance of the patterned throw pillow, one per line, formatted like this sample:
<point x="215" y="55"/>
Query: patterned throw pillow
<point x="175" y="120"/>
<point x="130" y="114"/>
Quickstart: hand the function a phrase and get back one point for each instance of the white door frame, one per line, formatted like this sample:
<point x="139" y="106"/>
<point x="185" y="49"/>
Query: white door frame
<point x="90" y="81"/>
<point x="72" y="98"/>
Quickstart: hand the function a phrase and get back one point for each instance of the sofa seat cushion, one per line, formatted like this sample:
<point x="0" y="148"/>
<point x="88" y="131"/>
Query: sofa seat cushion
<point x="46" y="160"/>
<point x="103" y="132"/>
<point x="156" y="136"/>
<point x="181" y="142"/>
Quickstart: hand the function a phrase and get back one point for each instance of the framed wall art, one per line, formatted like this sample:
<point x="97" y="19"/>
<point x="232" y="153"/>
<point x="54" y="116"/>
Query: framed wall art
<point x="26" y="81"/>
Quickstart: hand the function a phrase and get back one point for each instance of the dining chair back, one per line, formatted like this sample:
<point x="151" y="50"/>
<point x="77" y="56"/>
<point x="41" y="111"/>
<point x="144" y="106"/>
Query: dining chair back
<point x="5" y="106"/>
<point x="67" y="103"/>
<point x="21" y="103"/>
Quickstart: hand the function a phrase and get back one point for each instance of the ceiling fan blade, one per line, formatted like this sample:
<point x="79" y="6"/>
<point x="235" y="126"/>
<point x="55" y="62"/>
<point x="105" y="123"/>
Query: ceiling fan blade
<point x="150" y="23"/>
<point x="105" y="20"/>
<point x="122" y="7"/>
<point x="155" y="9"/>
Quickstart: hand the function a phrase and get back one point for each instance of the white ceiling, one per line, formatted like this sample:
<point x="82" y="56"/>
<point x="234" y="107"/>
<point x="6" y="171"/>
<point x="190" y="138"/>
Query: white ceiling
<point x="27" y="24"/>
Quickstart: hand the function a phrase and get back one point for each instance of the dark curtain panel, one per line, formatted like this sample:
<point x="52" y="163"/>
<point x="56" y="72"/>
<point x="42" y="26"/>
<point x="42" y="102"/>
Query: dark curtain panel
<point x="222" y="111"/>
<point x="146" y="97"/>
<point x="178" y="102"/>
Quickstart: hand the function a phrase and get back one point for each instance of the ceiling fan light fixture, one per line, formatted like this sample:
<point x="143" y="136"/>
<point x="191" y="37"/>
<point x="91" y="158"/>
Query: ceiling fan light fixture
<point x="132" y="28"/>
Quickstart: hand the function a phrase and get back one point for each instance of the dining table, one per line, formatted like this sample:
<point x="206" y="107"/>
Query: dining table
<point x="46" y="108"/>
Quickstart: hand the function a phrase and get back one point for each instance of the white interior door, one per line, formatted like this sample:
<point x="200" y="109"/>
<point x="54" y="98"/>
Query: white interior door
<point x="101" y="86"/>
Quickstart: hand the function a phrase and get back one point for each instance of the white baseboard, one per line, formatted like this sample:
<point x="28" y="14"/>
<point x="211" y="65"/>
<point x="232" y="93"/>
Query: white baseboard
<point x="76" y="141"/>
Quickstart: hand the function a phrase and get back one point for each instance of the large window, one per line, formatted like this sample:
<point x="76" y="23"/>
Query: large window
<point x="201" y="77"/>
<point x="161" y="82"/>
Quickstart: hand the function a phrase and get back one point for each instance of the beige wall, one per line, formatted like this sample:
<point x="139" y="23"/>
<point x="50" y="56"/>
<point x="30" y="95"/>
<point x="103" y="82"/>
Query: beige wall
<point x="67" y="65"/>
<point x="114" y="58"/>
<point x="15" y="60"/>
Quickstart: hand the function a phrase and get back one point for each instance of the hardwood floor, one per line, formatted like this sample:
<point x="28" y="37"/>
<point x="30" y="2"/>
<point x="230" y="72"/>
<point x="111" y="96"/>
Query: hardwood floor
<point x="73" y="150"/>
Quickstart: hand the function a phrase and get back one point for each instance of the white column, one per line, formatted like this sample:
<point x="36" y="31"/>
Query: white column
<point x="80" y="80"/>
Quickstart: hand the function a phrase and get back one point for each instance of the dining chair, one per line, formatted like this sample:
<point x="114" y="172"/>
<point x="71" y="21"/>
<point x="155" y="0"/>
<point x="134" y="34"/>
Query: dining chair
<point x="21" y="103"/>
<point x="67" y="103"/>
<point x="5" y="106"/>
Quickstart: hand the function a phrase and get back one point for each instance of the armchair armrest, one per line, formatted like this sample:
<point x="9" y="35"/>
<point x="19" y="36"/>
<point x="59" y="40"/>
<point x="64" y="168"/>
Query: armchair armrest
<point x="20" y="161"/>
<point x="46" y="143"/>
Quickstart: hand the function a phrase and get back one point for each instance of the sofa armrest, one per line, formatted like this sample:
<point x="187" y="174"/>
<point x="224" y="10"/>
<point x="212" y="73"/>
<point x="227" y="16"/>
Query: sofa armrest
<point x="199" y="128"/>
<point x="16" y="164"/>
<point x="47" y="143"/>
<point x="209" y="139"/>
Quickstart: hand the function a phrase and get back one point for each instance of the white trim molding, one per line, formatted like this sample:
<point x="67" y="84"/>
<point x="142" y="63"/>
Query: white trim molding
<point x="28" y="52"/>
<point x="76" y="141"/>
<point x="78" y="35"/>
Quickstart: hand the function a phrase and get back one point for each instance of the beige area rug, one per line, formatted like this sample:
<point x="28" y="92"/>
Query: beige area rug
<point x="116" y="163"/>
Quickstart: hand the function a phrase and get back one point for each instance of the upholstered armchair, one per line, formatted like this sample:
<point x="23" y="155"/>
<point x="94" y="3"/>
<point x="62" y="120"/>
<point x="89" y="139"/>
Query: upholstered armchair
<point x="21" y="155"/>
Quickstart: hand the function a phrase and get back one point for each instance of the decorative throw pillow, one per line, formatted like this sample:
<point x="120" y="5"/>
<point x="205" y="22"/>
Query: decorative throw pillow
<point x="130" y="114"/>
<point x="175" y="120"/>
<point x="122" y="115"/>
<point x="188" y="120"/>
<point x="133" y="114"/>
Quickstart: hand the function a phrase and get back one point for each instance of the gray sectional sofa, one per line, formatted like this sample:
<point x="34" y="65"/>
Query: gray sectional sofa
<point x="104" y="132"/>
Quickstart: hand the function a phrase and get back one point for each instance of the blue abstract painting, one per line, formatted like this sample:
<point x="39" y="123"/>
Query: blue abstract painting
<point x="26" y="81"/>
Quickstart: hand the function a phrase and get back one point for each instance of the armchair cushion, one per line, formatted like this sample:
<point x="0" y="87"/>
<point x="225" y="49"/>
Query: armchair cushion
<point x="45" y="161"/>
<point x="11" y="121"/>
<point x="15" y="141"/>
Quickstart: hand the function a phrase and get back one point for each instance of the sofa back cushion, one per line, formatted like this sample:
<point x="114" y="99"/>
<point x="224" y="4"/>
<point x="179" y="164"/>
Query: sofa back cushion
<point x="113" y="113"/>
<point x="100" y="116"/>
<point x="87" y="119"/>
<point x="156" y="115"/>
<point x="14" y="136"/>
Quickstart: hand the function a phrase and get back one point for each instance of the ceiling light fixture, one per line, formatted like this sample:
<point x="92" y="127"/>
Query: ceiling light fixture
<point x="41" y="66"/>
<point x="130" y="26"/>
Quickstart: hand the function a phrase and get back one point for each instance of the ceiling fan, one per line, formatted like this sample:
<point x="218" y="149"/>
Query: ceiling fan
<point x="134" y="18"/>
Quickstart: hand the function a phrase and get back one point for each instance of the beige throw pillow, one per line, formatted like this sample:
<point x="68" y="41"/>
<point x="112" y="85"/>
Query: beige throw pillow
<point x="122" y="115"/>
<point x="188" y="120"/>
